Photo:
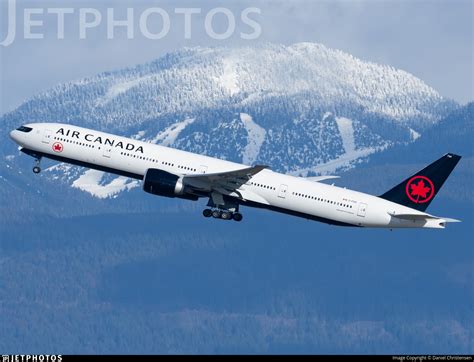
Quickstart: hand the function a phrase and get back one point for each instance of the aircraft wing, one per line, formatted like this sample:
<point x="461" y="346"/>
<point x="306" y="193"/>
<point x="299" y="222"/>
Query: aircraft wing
<point x="223" y="182"/>
<point x="321" y="178"/>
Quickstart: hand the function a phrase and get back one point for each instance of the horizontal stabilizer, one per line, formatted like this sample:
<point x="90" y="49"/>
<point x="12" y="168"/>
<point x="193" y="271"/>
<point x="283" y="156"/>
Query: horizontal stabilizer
<point x="422" y="217"/>
<point x="447" y="219"/>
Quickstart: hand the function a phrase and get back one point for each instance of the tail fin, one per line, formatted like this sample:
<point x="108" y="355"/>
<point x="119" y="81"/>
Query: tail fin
<point x="420" y="189"/>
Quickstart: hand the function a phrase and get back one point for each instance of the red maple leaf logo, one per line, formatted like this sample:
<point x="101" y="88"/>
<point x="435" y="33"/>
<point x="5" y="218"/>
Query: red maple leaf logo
<point x="420" y="189"/>
<point x="57" y="147"/>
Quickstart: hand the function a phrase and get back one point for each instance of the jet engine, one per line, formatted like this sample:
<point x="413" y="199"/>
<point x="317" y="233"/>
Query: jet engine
<point x="162" y="183"/>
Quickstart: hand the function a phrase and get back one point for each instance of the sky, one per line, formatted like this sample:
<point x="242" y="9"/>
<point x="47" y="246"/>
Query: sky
<point x="431" y="39"/>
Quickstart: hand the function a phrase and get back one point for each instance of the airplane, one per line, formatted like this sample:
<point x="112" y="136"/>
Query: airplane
<point x="227" y="185"/>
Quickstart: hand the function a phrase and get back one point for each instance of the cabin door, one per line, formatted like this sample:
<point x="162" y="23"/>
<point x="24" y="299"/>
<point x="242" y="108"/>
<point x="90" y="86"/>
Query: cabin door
<point x="282" y="192"/>
<point x="362" y="209"/>
<point x="47" y="136"/>
<point x="107" y="151"/>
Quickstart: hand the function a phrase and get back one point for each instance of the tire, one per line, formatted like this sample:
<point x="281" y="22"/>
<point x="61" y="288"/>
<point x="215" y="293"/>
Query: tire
<point x="207" y="212"/>
<point x="237" y="216"/>
<point x="216" y="214"/>
<point x="36" y="169"/>
<point x="226" y="215"/>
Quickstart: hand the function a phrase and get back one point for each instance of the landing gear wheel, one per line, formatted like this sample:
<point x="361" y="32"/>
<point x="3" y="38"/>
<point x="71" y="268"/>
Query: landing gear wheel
<point x="226" y="215"/>
<point x="207" y="212"/>
<point x="216" y="214"/>
<point x="237" y="216"/>
<point x="37" y="168"/>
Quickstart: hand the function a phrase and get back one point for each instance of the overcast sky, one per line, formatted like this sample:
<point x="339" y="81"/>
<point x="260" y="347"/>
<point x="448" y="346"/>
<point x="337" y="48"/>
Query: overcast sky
<point x="430" y="39"/>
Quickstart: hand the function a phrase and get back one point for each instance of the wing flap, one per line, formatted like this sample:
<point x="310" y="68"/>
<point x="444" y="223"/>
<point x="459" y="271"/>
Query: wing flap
<point x="222" y="181"/>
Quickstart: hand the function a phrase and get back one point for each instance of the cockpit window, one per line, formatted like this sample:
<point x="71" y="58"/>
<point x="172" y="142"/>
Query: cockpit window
<point x="24" y="129"/>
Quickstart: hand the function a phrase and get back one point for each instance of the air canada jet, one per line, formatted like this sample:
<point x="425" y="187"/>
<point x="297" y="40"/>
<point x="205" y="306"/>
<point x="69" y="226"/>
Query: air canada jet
<point x="227" y="185"/>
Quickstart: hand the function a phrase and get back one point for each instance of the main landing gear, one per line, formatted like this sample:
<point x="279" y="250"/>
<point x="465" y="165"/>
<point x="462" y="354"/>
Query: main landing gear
<point x="222" y="214"/>
<point x="222" y="208"/>
<point x="37" y="168"/>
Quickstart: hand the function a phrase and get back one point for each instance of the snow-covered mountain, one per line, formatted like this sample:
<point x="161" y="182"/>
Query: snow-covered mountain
<point x="302" y="109"/>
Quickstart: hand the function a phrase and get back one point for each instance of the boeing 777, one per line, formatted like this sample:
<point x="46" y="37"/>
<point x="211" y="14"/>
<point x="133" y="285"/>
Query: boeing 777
<point x="227" y="185"/>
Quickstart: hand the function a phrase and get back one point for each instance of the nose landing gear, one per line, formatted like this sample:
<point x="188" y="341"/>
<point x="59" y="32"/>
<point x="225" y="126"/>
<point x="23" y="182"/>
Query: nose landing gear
<point x="37" y="168"/>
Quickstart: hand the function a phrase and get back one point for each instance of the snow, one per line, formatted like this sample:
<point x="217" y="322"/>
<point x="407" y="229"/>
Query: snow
<point x="256" y="137"/>
<point x="326" y="115"/>
<point x="204" y="78"/>
<point x="169" y="135"/>
<point x="414" y="135"/>
<point x="119" y="88"/>
<point x="90" y="182"/>
<point x="9" y="158"/>
<point x="342" y="162"/>
<point x="61" y="167"/>
<point x="138" y="135"/>
<point x="228" y="79"/>
<point x="61" y="171"/>
<point x="347" y="134"/>
<point x="346" y="131"/>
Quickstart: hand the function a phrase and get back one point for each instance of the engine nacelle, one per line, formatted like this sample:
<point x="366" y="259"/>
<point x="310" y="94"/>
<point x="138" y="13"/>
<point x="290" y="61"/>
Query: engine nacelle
<point x="162" y="183"/>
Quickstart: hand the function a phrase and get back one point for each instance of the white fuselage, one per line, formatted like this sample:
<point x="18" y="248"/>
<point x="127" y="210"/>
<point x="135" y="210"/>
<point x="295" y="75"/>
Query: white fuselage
<point x="267" y="189"/>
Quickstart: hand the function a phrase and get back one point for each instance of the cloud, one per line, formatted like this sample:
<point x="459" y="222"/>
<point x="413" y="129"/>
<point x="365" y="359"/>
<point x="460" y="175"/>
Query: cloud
<point x="431" y="39"/>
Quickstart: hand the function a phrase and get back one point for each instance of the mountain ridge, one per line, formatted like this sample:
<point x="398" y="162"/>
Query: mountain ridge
<point x="304" y="109"/>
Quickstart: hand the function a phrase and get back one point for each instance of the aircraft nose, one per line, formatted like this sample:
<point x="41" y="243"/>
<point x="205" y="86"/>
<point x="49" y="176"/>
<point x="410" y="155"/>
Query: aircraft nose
<point x="15" y="135"/>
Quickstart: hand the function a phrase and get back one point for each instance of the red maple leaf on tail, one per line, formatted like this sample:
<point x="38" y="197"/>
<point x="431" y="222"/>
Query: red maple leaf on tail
<point x="419" y="190"/>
